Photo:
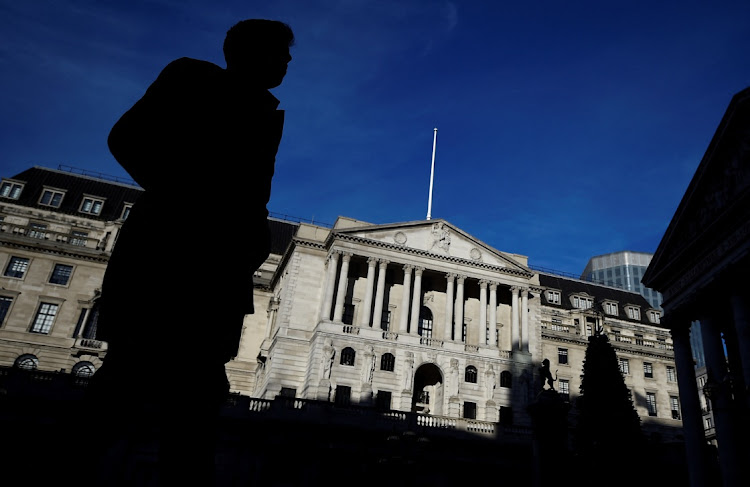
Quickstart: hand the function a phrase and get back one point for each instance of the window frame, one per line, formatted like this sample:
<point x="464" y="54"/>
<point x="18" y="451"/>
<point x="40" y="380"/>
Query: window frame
<point x="6" y="303"/>
<point x="14" y="259"/>
<point x="348" y="357"/>
<point x="25" y="358"/>
<point x="471" y="374"/>
<point x="554" y="296"/>
<point x="674" y="406"/>
<point x="44" y="320"/>
<point x="54" y="271"/>
<point x="671" y="373"/>
<point x="506" y="379"/>
<point x="92" y="210"/>
<point x="648" y="370"/>
<point x="611" y="308"/>
<point x="651" y="404"/>
<point x="624" y="365"/>
<point x="53" y="192"/>
<point x="14" y="191"/>
<point x="562" y="352"/>
<point x="388" y="362"/>
<point x="470" y="410"/>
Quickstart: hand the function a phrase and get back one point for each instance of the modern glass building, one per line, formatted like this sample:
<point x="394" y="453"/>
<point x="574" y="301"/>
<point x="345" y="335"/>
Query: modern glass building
<point x="623" y="270"/>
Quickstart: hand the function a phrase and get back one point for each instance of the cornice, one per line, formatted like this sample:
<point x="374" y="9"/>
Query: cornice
<point x="35" y="247"/>
<point x="424" y="253"/>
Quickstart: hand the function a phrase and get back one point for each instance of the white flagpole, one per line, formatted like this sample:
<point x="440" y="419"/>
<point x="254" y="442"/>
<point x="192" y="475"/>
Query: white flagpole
<point x="432" y="173"/>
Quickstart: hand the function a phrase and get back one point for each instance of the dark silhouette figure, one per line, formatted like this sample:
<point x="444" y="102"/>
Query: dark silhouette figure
<point x="546" y="374"/>
<point x="202" y="143"/>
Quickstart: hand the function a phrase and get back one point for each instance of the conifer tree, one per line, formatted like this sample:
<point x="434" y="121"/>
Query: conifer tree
<point x="608" y="432"/>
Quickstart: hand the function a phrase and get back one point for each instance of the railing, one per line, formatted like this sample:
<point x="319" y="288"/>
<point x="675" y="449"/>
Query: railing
<point x="642" y="342"/>
<point x="48" y="235"/>
<point x="390" y="335"/>
<point x="90" y="343"/>
<point x="559" y="327"/>
<point x="431" y="342"/>
<point x="351" y="329"/>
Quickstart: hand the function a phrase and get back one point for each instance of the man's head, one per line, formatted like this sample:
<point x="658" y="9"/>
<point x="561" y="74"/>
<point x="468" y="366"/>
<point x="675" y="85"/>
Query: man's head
<point x="257" y="50"/>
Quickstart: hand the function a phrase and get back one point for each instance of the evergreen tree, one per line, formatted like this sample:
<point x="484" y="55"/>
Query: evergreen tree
<point x="608" y="432"/>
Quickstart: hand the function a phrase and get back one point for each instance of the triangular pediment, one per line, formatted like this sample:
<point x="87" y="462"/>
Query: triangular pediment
<point x="437" y="237"/>
<point x="713" y="206"/>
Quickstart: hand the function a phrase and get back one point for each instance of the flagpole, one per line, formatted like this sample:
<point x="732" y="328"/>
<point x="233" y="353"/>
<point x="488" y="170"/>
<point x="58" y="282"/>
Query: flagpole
<point x="432" y="173"/>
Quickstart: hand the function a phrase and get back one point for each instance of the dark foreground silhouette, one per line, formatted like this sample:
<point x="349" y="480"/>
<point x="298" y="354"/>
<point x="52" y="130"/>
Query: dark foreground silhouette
<point x="202" y="142"/>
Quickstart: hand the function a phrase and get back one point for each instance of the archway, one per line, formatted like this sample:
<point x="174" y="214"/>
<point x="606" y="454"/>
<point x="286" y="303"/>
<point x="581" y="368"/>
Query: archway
<point x="428" y="390"/>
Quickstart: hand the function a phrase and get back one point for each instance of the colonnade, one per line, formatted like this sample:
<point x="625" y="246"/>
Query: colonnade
<point x="411" y="302"/>
<point x="725" y="332"/>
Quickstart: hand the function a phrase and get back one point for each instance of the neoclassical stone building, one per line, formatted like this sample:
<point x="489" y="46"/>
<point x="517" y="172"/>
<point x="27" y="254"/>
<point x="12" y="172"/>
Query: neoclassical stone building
<point x="413" y="319"/>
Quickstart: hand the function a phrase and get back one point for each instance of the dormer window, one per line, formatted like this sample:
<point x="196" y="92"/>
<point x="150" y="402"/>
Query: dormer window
<point x="582" y="302"/>
<point x="11" y="189"/>
<point x="553" y="297"/>
<point x="51" y="197"/>
<point x="610" y="308"/>
<point x="654" y="316"/>
<point x="634" y="312"/>
<point x="91" y="205"/>
<point x="126" y="212"/>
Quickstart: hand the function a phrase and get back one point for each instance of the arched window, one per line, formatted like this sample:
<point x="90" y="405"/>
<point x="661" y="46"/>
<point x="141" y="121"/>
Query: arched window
<point x="425" y="322"/>
<point x="27" y="362"/>
<point x="347" y="356"/>
<point x="471" y="374"/>
<point x="387" y="362"/>
<point x="84" y="369"/>
<point x="505" y="378"/>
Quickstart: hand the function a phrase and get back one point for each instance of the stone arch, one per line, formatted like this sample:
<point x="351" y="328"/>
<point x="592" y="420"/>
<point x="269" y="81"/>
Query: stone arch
<point x="429" y="382"/>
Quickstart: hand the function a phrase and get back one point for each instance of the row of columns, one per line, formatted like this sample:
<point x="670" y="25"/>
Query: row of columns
<point x="727" y="390"/>
<point x="454" y="308"/>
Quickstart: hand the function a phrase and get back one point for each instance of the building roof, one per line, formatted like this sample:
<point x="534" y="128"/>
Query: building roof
<point x="75" y="186"/>
<point x="568" y="287"/>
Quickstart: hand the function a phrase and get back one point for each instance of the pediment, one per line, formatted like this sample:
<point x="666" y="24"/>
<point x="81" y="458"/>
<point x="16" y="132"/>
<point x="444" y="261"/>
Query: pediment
<point x="437" y="237"/>
<point x="711" y="210"/>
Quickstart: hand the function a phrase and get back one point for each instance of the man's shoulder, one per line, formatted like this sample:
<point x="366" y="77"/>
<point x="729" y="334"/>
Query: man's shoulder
<point x="186" y="65"/>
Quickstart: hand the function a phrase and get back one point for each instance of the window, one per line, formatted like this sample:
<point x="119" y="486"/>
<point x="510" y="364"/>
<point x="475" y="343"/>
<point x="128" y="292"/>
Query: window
<point x="624" y="366"/>
<point x="288" y="392"/>
<point x="385" y="320"/>
<point x="125" y="212"/>
<point x="45" y="315"/>
<point x="506" y="415"/>
<point x="83" y="369"/>
<point x="654" y="316"/>
<point x="610" y="308"/>
<point x="582" y="302"/>
<point x="78" y="238"/>
<point x="471" y="374"/>
<point x="425" y="322"/>
<point x="61" y="274"/>
<point x="562" y="356"/>
<point x="563" y="386"/>
<point x="651" y="403"/>
<point x="387" y="362"/>
<point x="634" y="313"/>
<point x="648" y="370"/>
<point x="709" y="423"/>
<point x="674" y="405"/>
<point x="10" y="189"/>
<point x="87" y="322"/>
<point x="5" y="303"/>
<point x="91" y="206"/>
<point x="638" y="339"/>
<point x="343" y="396"/>
<point x="505" y="379"/>
<point x="348" y="316"/>
<point x="383" y="401"/>
<point x="671" y="376"/>
<point x="347" y="356"/>
<point x="51" y="197"/>
<point x="463" y="333"/>
<point x="27" y="362"/>
<point x="470" y="410"/>
<point x="37" y="230"/>
<point x="17" y="267"/>
<point x="553" y="297"/>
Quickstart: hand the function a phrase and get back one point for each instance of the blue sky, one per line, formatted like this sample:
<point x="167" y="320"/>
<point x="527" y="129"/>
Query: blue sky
<point x="565" y="129"/>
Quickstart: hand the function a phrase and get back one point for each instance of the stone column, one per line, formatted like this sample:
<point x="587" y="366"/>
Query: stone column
<point x="515" y="331"/>
<point x="482" y="338"/>
<point x="338" y="312"/>
<point x="692" y="417"/>
<point x="378" y="318"/>
<point x="493" y="315"/>
<point x="524" y="320"/>
<point x="404" y="323"/>
<point x="367" y="305"/>
<point x="459" y="322"/>
<point x="333" y="262"/>
<point x="741" y="315"/>
<point x="719" y="392"/>
<point x="448" y="331"/>
<point x="273" y="307"/>
<point x="416" y="300"/>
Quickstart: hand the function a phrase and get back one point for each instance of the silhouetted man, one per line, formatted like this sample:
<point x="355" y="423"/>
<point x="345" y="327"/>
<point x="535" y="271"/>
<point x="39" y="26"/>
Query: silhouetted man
<point x="202" y="143"/>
